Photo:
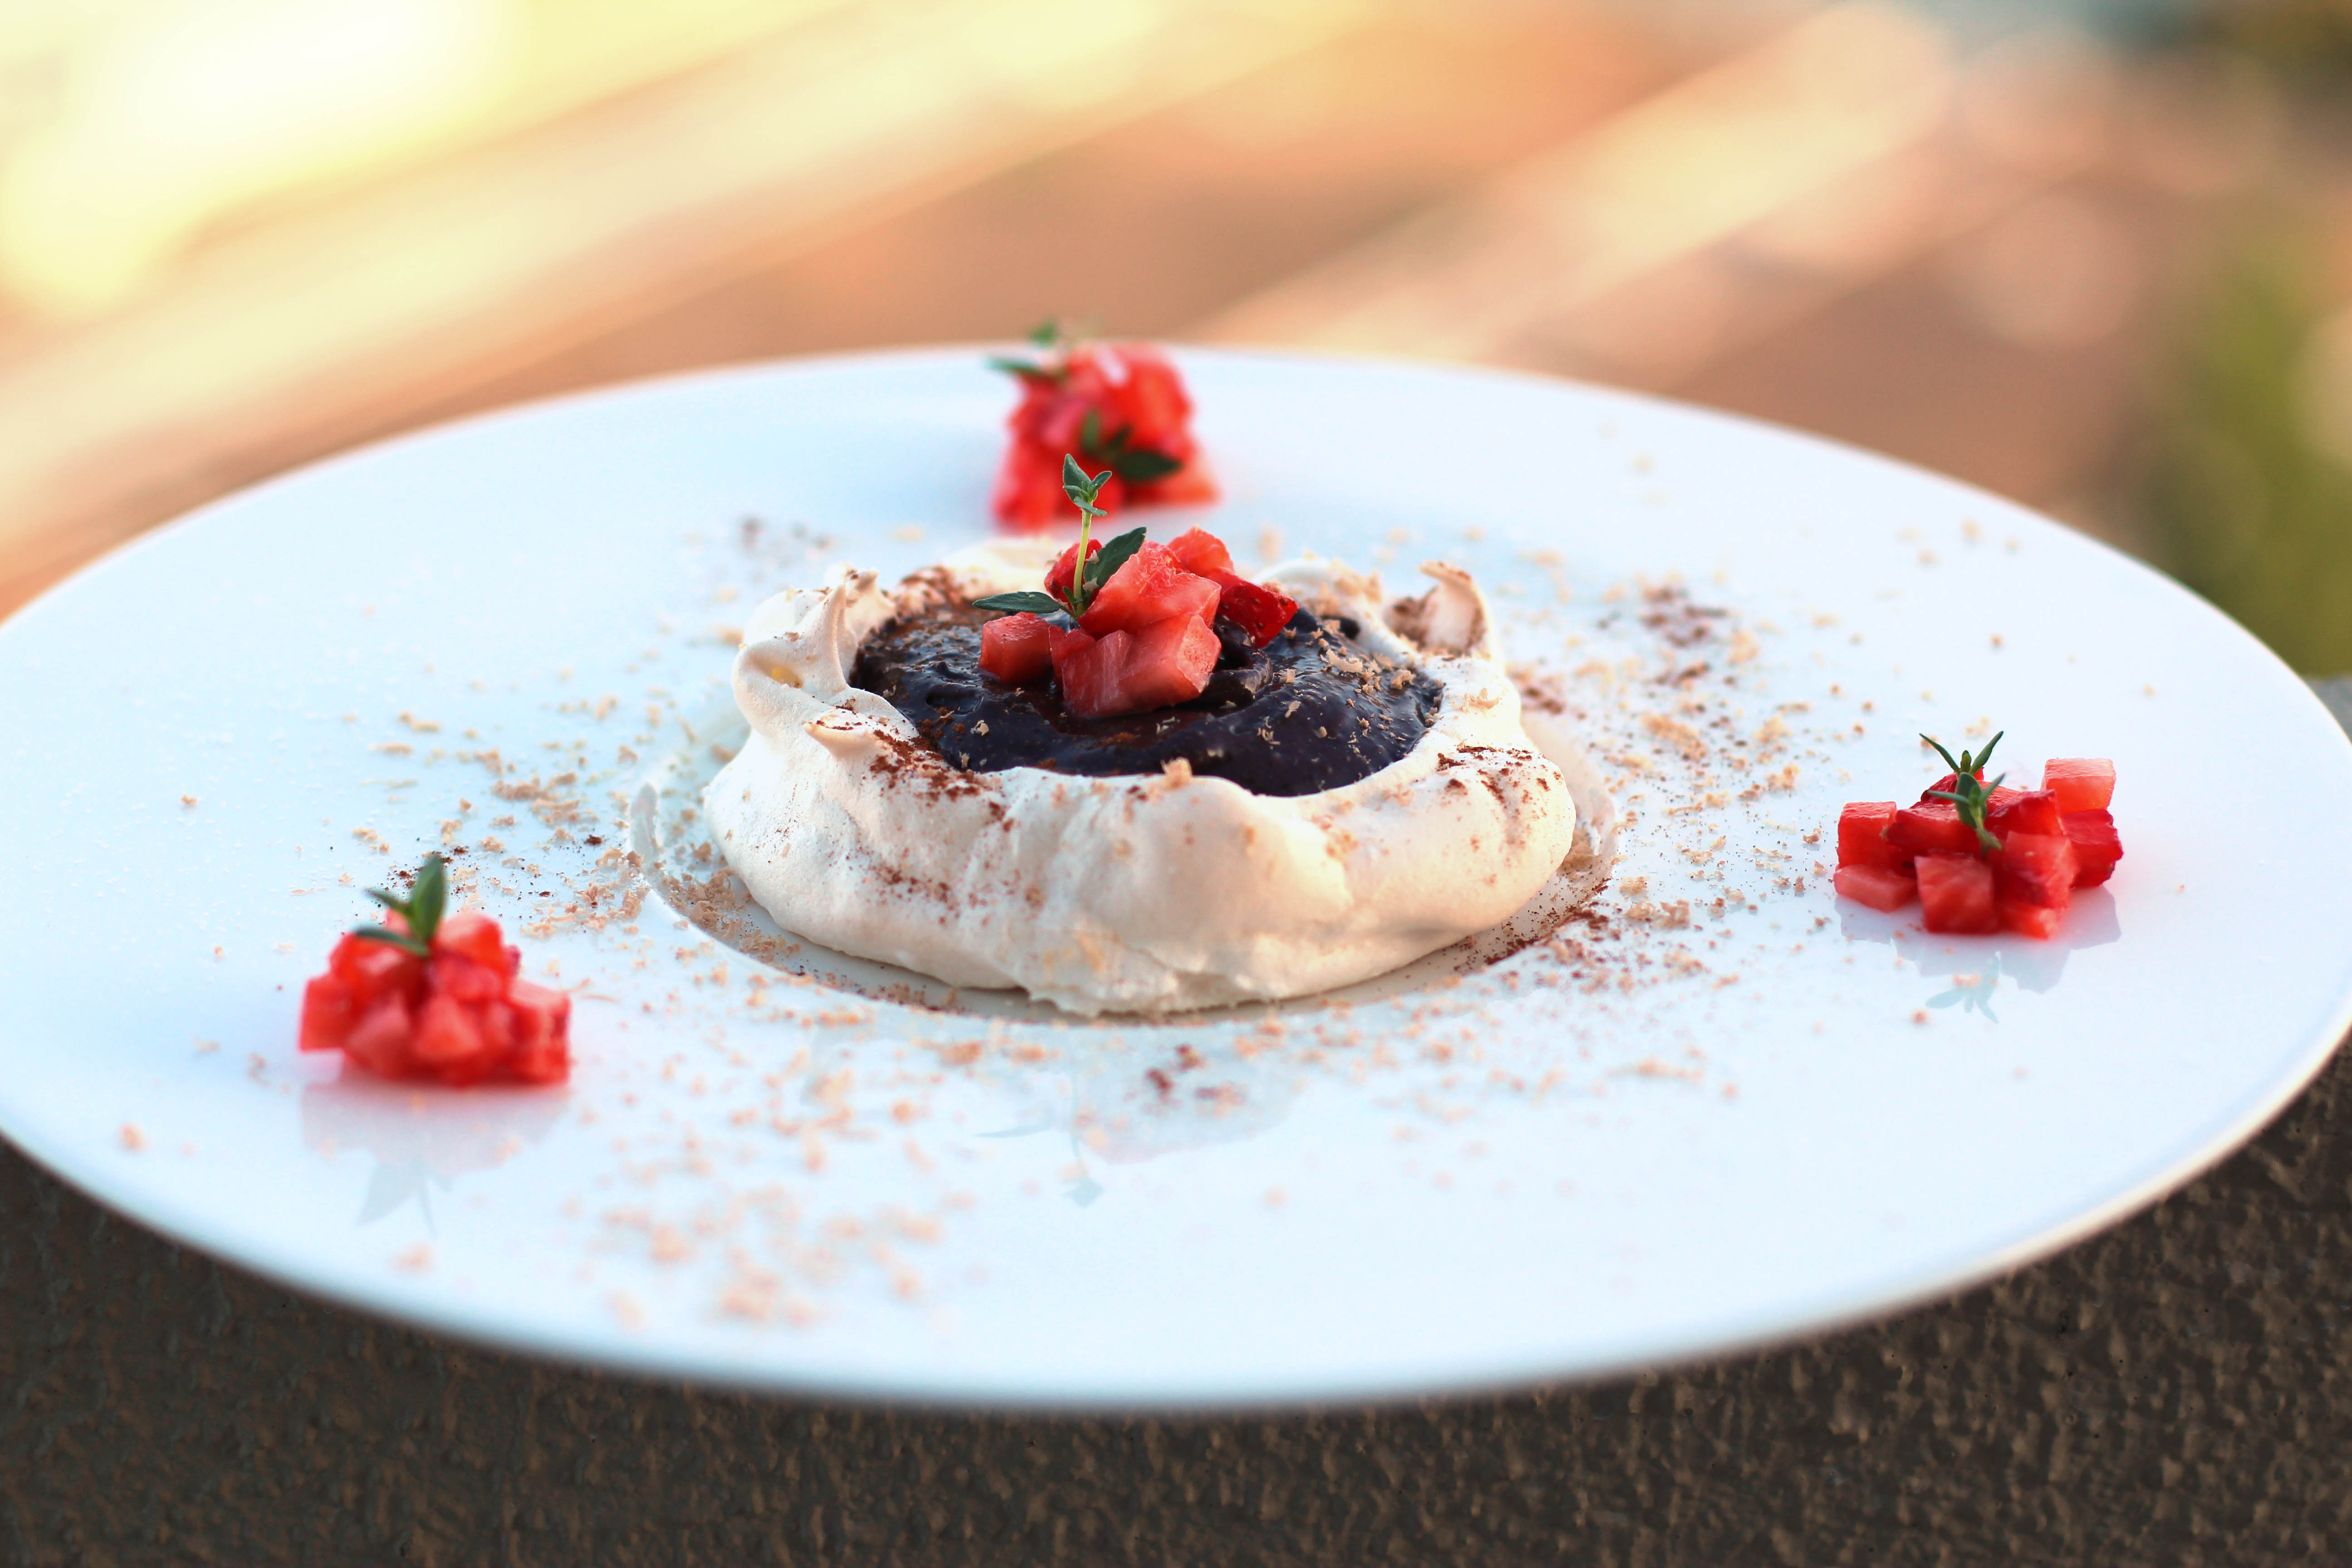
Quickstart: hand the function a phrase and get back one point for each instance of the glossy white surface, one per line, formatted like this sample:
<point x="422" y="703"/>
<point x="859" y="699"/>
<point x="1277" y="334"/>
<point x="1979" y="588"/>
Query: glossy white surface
<point x="1751" y="1126"/>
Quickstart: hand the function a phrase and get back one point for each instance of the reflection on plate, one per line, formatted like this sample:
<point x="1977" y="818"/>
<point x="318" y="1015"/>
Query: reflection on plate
<point x="1713" y="1107"/>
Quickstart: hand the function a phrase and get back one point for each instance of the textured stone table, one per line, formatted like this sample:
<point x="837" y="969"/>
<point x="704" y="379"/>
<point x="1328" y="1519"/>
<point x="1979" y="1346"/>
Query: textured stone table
<point x="2178" y="1390"/>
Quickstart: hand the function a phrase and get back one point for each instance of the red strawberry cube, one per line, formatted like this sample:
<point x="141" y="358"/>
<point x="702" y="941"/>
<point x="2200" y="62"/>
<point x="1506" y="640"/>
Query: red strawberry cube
<point x="542" y="1029"/>
<point x="1259" y="611"/>
<point x="472" y="935"/>
<point x="1086" y="670"/>
<point x="2040" y="920"/>
<point x="1862" y="835"/>
<point x="1956" y="894"/>
<point x="1931" y="828"/>
<point x="2023" y="811"/>
<point x="1201" y="553"/>
<point x="1149" y="587"/>
<point x="1876" y="886"/>
<point x="2096" y="846"/>
<point x="2035" y="868"/>
<point x="1167" y="662"/>
<point x="1015" y="648"/>
<point x="2081" y="784"/>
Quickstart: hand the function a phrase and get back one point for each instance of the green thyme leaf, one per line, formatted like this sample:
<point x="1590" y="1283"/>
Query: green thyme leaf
<point x="1020" y="367"/>
<point x="1090" y="441"/>
<point x="1028" y="601"/>
<point x="1047" y="332"/>
<point x="429" y="898"/>
<point x="1142" y="465"/>
<point x="392" y="939"/>
<point x="1112" y="556"/>
<point x="1970" y="796"/>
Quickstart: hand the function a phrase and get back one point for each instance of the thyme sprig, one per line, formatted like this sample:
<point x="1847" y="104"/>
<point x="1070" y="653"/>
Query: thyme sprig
<point x="428" y="897"/>
<point x="1053" y="343"/>
<point x="1968" y="792"/>
<point x="1092" y="570"/>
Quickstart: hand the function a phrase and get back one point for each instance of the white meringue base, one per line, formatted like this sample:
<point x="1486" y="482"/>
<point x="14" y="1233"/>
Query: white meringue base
<point x="1143" y="894"/>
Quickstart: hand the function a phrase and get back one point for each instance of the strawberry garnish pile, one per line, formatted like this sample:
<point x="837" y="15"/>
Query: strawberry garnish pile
<point x="1129" y="626"/>
<point x="1120" y="407"/>
<point x="424" y="997"/>
<point x="1983" y="858"/>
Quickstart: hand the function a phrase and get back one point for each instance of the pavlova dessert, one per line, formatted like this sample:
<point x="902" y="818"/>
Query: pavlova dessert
<point x="1125" y="778"/>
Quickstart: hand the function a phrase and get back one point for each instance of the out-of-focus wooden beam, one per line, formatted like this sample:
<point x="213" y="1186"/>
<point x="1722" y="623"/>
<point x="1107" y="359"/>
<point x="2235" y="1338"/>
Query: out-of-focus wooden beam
<point x="304" y="333"/>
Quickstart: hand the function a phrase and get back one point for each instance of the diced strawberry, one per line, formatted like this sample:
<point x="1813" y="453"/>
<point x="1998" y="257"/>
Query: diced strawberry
<point x="2024" y="811"/>
<point x="1064" y="646"/>
<point x="1132" y="672"/>
<point x="328" y="1014"/>
<point x="1028" y="495"/>
<point x="1166" y="663"/>
<point x="448" y="1035"/>
<point x="2097" y="845"/>
<point x="2081" y="784"/>
<point x="2035" y="868"/>
<point x="1931" y="828"/>
<point x="379" y="1042"/>
<point x="458" y="974"/>
<point x="1862" y="835"/>
<point x="374" y="969"/>
<point x="471" y="934"/>
<point x="1956" y="894"/>
<point x="458" y="1015"/>
<point x="1086" y="670"/>
<point x="541" y="1051"/>
<point x="1064" y="569"/>
<point x="1201" y="553"/>
<point x="1148" y="587"/>
<point x="1016" y="649"/>
<point x="1150" y="398"/>
<point x="2040" y="920"/>
<point x="1259" y="611"/>
<point x="1097" y="401"/>
<point x="1876" y="886"/>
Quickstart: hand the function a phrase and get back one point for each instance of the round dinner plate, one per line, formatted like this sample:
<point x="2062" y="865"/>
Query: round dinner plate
<point x="1718" y="1107"/>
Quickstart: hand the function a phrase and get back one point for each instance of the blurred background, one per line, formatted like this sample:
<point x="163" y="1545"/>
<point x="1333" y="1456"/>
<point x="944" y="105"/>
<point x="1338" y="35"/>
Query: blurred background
<point x="2094" y="255"/>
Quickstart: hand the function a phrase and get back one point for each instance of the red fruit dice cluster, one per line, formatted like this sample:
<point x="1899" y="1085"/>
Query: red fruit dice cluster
<point x="1116" y="406"/>
<point x="1147" y="636"/>
<point x="2053" y="840"/>
<point x="456" y="1012"/>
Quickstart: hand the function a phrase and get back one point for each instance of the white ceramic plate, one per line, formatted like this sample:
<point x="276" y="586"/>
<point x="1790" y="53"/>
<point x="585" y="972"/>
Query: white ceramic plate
<point x="1687" y="1130"/>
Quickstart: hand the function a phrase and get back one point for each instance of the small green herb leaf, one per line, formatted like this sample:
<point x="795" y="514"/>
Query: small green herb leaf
<point x="391" y="938"/>
<point x="1028" y="601"/>
<point x="428" y="897"/>
<point x="1969" y="794"/>
<point x="1020" y="367"/>
<point x="1110" y="558"/>
<point x="1142" y="466"/>
<point x="1047" y="332"/>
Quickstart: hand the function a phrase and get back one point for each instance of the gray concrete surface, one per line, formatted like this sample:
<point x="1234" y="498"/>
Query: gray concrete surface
<point x="2178" y="1390"/>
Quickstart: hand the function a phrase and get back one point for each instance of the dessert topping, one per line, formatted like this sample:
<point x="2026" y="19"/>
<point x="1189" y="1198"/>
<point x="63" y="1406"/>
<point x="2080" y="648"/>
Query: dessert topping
<point x="422" y="996"/>
<point x="1979" y="856"/>
<point x="1120" y="406"/>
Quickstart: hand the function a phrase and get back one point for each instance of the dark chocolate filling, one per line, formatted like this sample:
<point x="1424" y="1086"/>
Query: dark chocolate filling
<point x="1309" y="711"/>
